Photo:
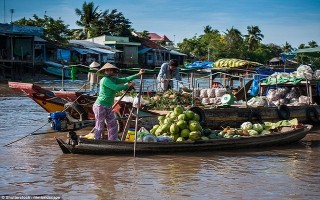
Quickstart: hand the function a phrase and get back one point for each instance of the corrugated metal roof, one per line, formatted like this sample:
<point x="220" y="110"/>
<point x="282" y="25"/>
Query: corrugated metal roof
<point x="89" y="44"/>
<point x="84" y="51"/>
<point x="39" y="39"/>
<point x="177" y="53"/>
<point x="102" y="50"/>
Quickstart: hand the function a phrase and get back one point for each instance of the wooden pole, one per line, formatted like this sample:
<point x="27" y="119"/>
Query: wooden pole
<point x="137" y="117"/>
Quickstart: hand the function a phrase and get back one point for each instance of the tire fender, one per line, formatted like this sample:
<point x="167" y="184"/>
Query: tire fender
<point x="201" y="114"/>
<point x="83" y="115"/>
<point x="283" y="112"/>
<point x="254" y="116"/>
<point x="312" y="115"/>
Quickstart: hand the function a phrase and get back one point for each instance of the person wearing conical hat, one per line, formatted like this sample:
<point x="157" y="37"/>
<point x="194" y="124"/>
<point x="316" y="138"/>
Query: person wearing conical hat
<point x="93" y="78"/>
<point x="110" y="84"/>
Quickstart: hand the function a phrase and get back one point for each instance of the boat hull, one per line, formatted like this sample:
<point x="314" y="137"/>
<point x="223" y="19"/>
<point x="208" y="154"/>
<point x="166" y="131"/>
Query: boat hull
<point x="57" y="69"/>
<point x="105" y="147"/>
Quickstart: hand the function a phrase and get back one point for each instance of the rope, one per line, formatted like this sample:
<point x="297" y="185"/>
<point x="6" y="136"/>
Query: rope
<point x="33" y="133"/>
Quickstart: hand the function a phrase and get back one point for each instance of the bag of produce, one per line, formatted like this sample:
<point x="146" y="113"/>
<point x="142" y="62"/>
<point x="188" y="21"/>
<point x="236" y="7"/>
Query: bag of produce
<point x="205" y="101"/>
<point x="304" y="72"/>
<point x="294" y="92"/>
<point x="303" y="99"/>
<point x="197" y="93"/>
<point x="272" y="95"/>
<point x="257" y="101"/>
<point x="211" y="92"/>
<point x="212" y="100"/>
<point x="203" y="93"/>
<point x="142" y="102"/>
<point x="219" y="92"/>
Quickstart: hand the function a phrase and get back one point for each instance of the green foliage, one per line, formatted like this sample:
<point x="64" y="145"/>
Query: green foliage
<point x="54" y="30"/>
<point x="96" y="23"/>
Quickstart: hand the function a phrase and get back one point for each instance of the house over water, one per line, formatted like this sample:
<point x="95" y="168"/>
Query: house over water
<point x="18" y="46"/>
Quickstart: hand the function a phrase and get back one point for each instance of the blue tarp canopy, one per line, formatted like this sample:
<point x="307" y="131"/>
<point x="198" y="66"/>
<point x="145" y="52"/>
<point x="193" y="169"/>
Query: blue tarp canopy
<point x="288" y="56"/>
<point x="63" y="54"/>
<point x="200" y="65"/>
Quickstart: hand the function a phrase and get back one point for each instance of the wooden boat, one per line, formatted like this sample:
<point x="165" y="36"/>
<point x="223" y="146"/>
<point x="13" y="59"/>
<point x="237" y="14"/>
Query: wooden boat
<point x="87" y="146"/>
<point x="57" y="69"/>
<point x="79" y="104"/>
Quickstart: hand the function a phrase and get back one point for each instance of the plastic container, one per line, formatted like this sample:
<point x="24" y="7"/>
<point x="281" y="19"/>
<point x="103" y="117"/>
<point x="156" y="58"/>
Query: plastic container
<point x="58" y="115"/>
<point x="57" y="120"/>
<point x="130" y="135"/>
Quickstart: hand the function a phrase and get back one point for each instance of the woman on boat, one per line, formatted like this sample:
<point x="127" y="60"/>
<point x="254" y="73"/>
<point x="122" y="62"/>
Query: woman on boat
<point x="102" y="108"/>
<point x="167" y="72"/>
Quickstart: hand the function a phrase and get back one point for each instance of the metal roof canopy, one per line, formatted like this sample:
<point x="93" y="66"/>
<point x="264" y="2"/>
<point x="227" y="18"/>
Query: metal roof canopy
<point x="177" y="53"/>
<point x="84" y="51"/>
<point x="102" y="50"/>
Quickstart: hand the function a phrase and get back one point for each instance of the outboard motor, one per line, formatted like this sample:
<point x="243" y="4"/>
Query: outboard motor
<point x="58" y="120"/>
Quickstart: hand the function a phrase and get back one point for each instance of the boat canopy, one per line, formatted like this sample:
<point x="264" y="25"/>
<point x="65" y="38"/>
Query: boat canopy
<point x="308" y="50"/>
<point x="199" y="65"/>
<point x="235" y="63"/>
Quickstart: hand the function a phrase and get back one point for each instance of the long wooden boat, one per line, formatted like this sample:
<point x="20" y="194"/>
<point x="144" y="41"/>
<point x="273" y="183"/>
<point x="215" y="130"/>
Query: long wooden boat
<point x="105" y="147"/>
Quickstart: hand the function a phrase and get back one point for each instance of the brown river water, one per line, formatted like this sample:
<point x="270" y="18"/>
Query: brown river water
<point x="35" y="165"/>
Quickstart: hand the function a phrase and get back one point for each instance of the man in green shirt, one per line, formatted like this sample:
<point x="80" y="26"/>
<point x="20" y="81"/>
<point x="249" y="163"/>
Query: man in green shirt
<point x="102" y="108"/>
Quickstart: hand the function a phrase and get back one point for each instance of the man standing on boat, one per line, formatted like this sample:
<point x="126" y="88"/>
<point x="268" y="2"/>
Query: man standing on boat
<point x="167" y="72"/>
<point x="93" y="78"/>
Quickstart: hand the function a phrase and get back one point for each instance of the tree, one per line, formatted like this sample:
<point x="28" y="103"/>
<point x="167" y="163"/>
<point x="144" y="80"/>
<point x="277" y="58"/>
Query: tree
<point x="312" y="44"/>
<point x="254" y="37"/>
<point x="207" y="29"/>
<point x="145" y="34"/>
<point x="53" y="30"/>
<point x="89" y="18"/>
<point x="301" y="46"/>
<point x="287" y="47"/>
<point x="114" y="23"/>
<point x="233" y="43"/>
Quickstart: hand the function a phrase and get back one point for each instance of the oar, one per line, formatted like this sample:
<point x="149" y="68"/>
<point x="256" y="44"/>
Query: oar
<point x="137" y="116"/>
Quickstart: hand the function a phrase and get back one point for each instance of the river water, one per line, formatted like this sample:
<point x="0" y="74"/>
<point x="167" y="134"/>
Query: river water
<point x="35" y="165"/>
